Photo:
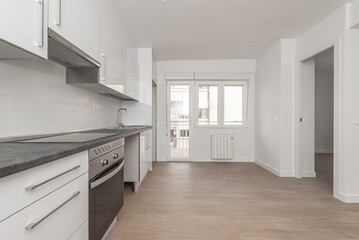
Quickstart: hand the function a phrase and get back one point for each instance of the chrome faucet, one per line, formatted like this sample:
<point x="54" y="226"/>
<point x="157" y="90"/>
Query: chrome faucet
<point x="120" y="124"/>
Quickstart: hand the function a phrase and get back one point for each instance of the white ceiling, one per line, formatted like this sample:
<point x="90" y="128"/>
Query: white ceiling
<point x="218" y="29"/>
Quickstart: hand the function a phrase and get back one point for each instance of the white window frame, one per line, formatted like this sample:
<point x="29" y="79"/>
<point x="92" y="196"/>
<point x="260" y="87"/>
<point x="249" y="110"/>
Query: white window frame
<point x="220" y="107"/>
<point x="244" y="84"/>
<point x="219" y="97"/>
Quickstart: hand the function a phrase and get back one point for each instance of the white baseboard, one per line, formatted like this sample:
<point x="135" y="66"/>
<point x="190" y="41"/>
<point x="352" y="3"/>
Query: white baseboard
<point x="206" y="160"/>
<point x="161" y="159"/>
<point x="287" y="174"/>
<point x="347" y="198"/>
<point x="224" y="161"/>
<point x="309" y="174"/>
<point x="267" y="167"/>
<point x="274" y="170"/>
<point x="323" y="150"/>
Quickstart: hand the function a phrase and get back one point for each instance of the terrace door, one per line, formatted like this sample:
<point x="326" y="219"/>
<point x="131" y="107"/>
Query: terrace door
<point x="179" y="120"/>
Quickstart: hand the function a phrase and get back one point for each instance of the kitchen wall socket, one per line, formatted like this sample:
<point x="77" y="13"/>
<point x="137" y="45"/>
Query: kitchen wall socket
<point x="97" y="106"/>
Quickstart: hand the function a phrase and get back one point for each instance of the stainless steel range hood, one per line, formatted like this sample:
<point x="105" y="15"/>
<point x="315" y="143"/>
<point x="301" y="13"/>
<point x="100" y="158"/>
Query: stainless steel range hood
<point x="66" y="54"/>
<point x="81" y="69"/>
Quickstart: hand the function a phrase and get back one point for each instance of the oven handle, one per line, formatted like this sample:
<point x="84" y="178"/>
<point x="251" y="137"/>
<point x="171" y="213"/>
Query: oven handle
<point x="106" y="177"/>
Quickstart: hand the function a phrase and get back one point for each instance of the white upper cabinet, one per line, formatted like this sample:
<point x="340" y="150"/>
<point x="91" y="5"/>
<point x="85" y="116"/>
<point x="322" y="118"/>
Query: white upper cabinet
<point x="111" y="50"/>
<point x="78" y="21"/>
<point x="23" y="23"/>
<point x="132" y="82"/>
<point x="154" y="69"/>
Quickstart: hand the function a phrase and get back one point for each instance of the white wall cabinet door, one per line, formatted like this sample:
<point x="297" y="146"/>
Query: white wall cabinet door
<point x="132" y="72"/>
<point x="154" y="69"/>
<point x="77" y="21"/>
<point x="23" y="24"/>
<point x="111" y="47"/>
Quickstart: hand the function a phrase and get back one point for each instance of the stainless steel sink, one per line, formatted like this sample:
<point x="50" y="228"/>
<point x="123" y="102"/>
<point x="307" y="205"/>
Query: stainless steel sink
<point x="120" y="130"/>
<point x="131" y="127"/>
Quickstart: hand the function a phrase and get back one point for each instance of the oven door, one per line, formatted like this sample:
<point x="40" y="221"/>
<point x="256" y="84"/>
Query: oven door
<point x="106" y="199"/>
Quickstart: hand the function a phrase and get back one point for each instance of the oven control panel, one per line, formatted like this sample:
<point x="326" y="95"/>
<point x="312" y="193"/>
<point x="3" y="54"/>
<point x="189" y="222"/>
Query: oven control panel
<point x="99" y="164"/>
<point x="105" y="148"/>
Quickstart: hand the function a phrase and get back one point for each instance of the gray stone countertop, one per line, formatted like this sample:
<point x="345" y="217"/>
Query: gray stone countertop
<point x="19" y="156"/>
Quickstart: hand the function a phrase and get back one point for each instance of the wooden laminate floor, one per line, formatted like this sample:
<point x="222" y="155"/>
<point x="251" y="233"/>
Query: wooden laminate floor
<point x="242" y="201"/>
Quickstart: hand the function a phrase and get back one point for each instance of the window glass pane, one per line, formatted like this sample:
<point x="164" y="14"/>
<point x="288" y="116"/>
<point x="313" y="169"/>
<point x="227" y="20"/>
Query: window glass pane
<point x="179" y="121"/>
<point x="179" y="102"/>
<point x="233" y="105"/>
<point x="207" y="105"/>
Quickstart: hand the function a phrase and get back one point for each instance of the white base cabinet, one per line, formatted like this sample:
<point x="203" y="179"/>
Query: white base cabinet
<point x="138" y="157"/>
<point x="16" y="186"/>
<point x="46" y="202"/>
<point x="82" y="233"/>
<point x="59" y="225"/>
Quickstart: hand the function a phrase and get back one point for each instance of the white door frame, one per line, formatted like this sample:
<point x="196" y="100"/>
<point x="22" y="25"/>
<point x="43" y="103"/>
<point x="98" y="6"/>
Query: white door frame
<point x="190" y="83"/>
<point x="336" y="43"/>
<point x="154" y="121"/>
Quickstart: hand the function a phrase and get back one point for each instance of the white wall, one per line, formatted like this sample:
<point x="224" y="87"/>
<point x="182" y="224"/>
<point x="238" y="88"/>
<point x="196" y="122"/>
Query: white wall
<point x="35" y="99"/>
<point x="274" y="98"/>
<point x="267" y="107"/>
<point x="201" y="137"/>
<point x="324" y="110"/>
<point x="287" y="116"/>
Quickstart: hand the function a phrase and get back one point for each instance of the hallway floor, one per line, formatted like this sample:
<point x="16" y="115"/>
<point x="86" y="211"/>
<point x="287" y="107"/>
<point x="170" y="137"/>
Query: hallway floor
<point x="241" y="201"/>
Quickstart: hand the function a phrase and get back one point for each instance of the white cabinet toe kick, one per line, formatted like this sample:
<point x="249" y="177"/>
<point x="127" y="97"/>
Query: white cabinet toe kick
<point x="138" y="158"/>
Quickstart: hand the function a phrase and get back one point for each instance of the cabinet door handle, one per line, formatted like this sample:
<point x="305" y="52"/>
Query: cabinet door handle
<point x="32" y="187"/>
<point x="33" y="225"/>
<point x="38" y="23"/>
<point x="56" y="12"/>
<point x="103" y="67"/>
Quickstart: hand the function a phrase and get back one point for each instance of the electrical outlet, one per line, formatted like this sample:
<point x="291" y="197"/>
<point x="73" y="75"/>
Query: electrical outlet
<point x="97" y="106"/>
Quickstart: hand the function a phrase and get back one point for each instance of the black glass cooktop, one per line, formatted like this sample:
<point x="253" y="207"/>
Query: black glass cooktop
<point x="70" y="138"/>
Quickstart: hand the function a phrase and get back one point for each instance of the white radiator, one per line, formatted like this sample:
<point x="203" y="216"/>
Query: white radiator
<point x="222" y="146"/>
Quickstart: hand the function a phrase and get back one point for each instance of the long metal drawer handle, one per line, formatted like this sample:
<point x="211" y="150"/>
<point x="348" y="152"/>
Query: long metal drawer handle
<point x="33" y="225"/>
<point x="107" y="177"/>
<point x="32" y="187"/>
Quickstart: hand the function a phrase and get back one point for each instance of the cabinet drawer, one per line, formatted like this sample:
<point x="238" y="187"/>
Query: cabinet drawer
<point x="62" y="213"/>
<point x="82" y="233"/>
<point x="44" y="179"/>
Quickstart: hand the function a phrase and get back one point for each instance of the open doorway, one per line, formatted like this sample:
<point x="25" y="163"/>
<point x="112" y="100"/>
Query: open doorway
<point x="316" y="126"/>
<point x="324" y="117"/>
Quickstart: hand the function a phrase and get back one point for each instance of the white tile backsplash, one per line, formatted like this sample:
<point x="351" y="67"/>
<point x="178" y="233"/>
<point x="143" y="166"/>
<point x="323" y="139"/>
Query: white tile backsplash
<point x="35" y="99"/>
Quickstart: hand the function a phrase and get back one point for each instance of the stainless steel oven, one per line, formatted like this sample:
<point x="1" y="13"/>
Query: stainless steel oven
<point x="106" y="187"/>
